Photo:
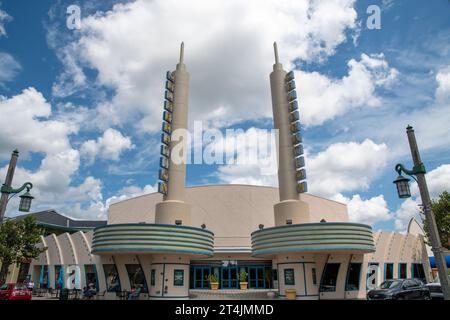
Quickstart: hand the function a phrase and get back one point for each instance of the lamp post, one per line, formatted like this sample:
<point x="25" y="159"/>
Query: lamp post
<point x="402" y="183"/>
<point x="8" y="191"/>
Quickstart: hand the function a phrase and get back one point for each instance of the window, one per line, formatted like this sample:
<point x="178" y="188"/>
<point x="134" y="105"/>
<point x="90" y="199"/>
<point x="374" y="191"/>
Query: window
<point x="388" y="271"/>
<point x="112" y="278"/>
<point x="330" y="277"/>
<point x="314" y="276"/>
<point x="152" y="277"/>
<point x="137" y="277"/>
<point x="418" y="272"/>
<point x="402" y="271"/>
<point x="91" y="275"/>
<point x="59" y="277"/>
<point x="43" y="277"/>
<point x="289" y="279"/>
<point x="23" y="273"/>
<point x="353" y="277"/>
<point x="178" y="278"/>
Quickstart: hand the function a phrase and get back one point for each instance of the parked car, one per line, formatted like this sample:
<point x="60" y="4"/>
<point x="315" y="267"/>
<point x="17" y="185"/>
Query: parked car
<point x="436" y="289"/>
<point x="400" y="289"/>
<point x="13" y="291"/>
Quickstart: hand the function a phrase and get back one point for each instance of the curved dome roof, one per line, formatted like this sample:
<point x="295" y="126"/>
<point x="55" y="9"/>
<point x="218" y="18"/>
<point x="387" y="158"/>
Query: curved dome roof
<point x="232" y="212"/>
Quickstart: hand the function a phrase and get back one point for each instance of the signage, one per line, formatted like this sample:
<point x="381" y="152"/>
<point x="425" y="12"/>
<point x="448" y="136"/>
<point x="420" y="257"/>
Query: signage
<point x="170" y="86"/>
<point x="299" y="162"/>
<point x="295" y="127"/>
<point x="169" y="76"/>
<point x="167" y="127"/>
<point x="167" y="116"/>
<point x="165" y="138"/>
<point x="164" y="162"/>
<point x="168" y="106"/>
<point x="298" y="150"/>
<point x="165" y="151"/>
<point x="169" y="96"/>
<point x="292" y="95"/>
<point x="293" y="105"/>
<point x="302" y="187"/>
<point x="300" y="174"/>
<point x="297" y="138"/>
<point x="290" y="86"/>
<point x="162" y="187"/>
<point x="294" y="116"/>
<point x="290" y="76"/>
<point x="163" y="174"/>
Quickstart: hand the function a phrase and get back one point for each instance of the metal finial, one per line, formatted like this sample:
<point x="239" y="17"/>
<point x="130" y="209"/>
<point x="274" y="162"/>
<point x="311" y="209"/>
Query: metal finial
<point x="275" y="47"/>
<point x="182" y="53"/>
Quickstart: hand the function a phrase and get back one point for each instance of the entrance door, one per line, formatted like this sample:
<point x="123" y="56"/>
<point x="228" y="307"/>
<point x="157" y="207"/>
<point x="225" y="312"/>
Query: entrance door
<point x="229" y="278"/>
<point x="256" y="277"/>
<point x="201" y="277"/>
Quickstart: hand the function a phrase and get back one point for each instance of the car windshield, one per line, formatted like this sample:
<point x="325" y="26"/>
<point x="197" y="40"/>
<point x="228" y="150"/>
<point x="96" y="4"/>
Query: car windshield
<point x="390" y="284"/>
<point x="4" y="287"/>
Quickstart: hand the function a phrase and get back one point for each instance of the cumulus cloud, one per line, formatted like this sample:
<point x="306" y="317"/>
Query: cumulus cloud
<point x="367" y="211"/>
<point x="109" y="146"/>
<point x="132" y="45"/>
<point x="323" y="98"/>
<point x="443" y="81"/>
<point x="345" y="167"/>
<point x="4" y="18"/>
<point x="130" y="192"/>
<point x="9" y="67"/>
<point x="27" y="124"/>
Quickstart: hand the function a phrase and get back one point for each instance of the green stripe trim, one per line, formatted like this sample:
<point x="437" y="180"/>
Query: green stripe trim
<point x="144" y="235"/>
<point x="152" y="244"/>
<point x="153" y="229"/>
<point x="112" y="250"/>
<point x="154" y="225"/>
<point x="173" y="239"/>
<point x="294" y="242"/>
<point x="308" y="237"/>
<point x="310" y="248"/>
<point x="297" y="228"/>
<point x="321" y="224"/>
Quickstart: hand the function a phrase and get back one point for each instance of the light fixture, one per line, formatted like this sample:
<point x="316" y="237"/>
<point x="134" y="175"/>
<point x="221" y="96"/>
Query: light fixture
<point x="402" y="184"/>
<point x="25" y="202"/>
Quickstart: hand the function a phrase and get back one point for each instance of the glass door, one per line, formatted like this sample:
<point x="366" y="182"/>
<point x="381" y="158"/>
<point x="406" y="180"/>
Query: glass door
<point x="229" y="278"/>
<point x="201" y="277"/>
<point x="256" y="277"/>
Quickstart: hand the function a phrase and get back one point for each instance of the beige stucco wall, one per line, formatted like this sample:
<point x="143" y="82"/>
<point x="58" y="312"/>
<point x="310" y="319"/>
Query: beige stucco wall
<point x="232" y="212"/>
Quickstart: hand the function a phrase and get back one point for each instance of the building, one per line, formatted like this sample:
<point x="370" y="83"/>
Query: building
<point x="52" y="223"/>
<point x="170" y="243"/>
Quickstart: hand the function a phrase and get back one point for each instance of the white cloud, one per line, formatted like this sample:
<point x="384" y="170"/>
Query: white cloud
<point x="9" y="67"/>
<point x="322" y="98"/>
<point x="345" y="167"/>
<point x="438" y="181"/>
<point x="4" y="18"/>
<point x="409" y="209"/>
<point x="133" y="45"/>
<point x="443" y="80"/>
<point x="367" y="211"/>
<point x="109" y="146"/>
<point x="130" y="192"/>
<point x="27" y="124"/>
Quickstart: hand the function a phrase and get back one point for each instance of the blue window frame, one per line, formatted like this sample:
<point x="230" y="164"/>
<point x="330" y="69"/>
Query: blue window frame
<point x="402" y="271"/>
<point x="353" y="280"/>
<point x="388" y="271"/>
<point x="329" y="279"/>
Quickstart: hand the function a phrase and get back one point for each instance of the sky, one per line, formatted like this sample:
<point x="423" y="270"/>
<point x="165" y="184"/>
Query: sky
<point x="84" y="105"/>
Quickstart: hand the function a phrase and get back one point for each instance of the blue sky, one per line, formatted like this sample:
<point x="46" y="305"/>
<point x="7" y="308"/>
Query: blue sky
<point x="84" y="106"/>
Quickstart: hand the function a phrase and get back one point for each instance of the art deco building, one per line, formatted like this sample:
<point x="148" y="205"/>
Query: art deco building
<point x="174" y="243"/>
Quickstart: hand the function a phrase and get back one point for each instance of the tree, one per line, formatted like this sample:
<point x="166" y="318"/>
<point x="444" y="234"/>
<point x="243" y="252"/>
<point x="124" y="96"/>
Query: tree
<point x="18" y="243"/>
<point x="441" y="210"/>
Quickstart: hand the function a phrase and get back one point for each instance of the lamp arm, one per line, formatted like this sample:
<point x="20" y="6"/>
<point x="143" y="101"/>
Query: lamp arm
<point x="420" y="169"/>
<point x="9" y="190"/>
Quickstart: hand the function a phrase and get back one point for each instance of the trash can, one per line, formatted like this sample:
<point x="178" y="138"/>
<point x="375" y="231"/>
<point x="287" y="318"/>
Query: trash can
<point x="64" y="294"/>
<point x="291" y="294"/>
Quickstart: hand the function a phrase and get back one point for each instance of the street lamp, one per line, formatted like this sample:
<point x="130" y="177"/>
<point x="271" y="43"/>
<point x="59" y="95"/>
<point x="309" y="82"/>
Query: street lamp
<point x="402" y="183"/>
<point x="7" y="191"/>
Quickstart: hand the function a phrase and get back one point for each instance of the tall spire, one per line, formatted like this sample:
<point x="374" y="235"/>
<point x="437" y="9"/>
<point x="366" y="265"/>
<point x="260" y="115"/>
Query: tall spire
<point x="275" y="47"/>
<point x="182" y="53"/>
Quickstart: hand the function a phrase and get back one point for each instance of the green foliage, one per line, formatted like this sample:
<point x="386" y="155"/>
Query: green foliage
<point x="441" y="210"/>
<point x="243" y="276"/>
<point x="18" y="242"/>
<point x="213" y="278"/>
